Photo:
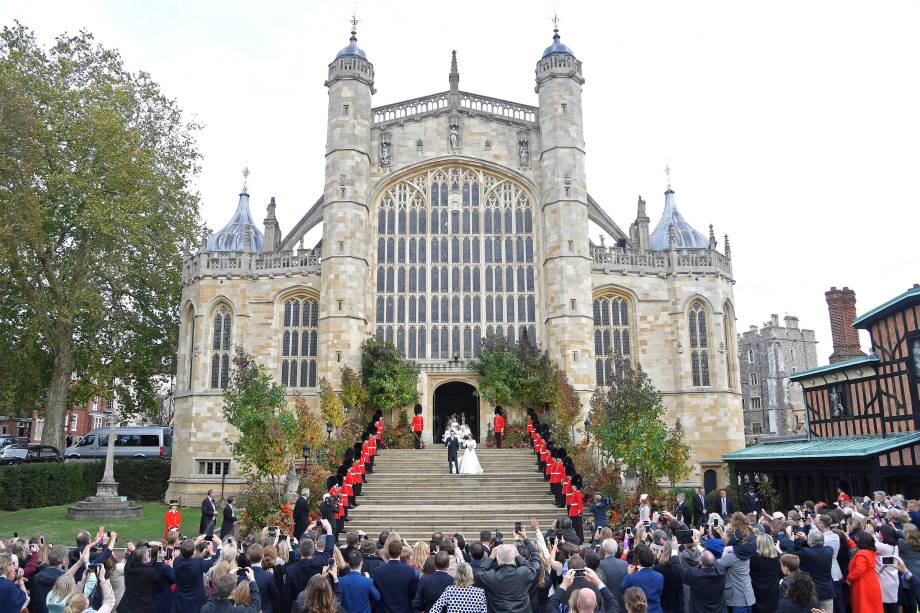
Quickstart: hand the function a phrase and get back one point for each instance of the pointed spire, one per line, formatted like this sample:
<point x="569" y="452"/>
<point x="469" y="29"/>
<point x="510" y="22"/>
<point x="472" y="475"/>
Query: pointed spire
<point x="454" y="76"/>
<point x="712" y="237"/>
<point x="640" y="209"/>
<point x="245" y="189"/>
<point x="728" y="246"/>
<point x="667" y="172"/>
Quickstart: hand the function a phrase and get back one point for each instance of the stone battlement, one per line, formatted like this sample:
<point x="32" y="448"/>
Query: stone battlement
<point x="417" y="109"/>
<point x="696" y="261"/>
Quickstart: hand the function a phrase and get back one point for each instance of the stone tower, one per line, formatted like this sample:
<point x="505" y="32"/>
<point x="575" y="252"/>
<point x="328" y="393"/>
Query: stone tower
<point x="345" y="269"/>
<point x="841" y="306"/>
<point x="566" y="256"/>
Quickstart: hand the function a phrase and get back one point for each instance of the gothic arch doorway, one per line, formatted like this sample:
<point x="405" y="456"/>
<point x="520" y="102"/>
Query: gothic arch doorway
<point x="455" y="397"/>
<point x="709" y="480"/>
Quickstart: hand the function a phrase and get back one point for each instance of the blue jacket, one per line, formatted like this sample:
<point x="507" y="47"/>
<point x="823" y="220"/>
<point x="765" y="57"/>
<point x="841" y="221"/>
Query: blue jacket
<point x="268" y="589"/>
<point x="649" y="581"/>
<point x="600" y="512"/>
<point x="190" y="594"/>
<point x="397" y="584"/>
<point x="429" y="590"/>
<point x="357" y="592"/>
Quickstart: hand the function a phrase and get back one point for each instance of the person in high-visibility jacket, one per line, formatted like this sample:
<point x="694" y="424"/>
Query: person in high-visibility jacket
<point x="418" y="425"/>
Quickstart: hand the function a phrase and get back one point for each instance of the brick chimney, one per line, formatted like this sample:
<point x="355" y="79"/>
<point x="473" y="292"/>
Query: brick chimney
<point x="841" y="305"/>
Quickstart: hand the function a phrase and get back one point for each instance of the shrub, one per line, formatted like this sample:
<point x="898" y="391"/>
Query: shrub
<point x="27" y="486"/>
<point x="515" y="437"/>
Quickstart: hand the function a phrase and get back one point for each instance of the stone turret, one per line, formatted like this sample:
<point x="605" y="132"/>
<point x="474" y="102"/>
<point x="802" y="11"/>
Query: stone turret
<point x="567" y="262"/>
<point x="638" y="230"/>
<point x="272" y="228"/>
<point x="345" y="268"/>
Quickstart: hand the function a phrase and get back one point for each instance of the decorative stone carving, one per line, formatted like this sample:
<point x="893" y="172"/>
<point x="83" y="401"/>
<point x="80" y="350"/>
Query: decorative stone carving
<point x="384" y="157"/>
<point x="524" y="148"/>
<point x="453" y="134"/>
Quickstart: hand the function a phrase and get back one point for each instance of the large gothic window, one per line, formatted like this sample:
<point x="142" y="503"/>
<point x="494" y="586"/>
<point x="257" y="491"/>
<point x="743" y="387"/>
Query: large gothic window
<point x="298" y="342"/>
<point x="220" y="347"/>
<point x="467" y="270"/>
<point x="612" y="335"/>
<point x="189" y="346"/>
<point x="699" y="344"/>
<point x="731" y="350"/>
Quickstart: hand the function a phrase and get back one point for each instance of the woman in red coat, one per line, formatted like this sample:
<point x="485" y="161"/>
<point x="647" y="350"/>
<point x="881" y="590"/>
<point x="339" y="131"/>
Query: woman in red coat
<point x="865" y="590"/>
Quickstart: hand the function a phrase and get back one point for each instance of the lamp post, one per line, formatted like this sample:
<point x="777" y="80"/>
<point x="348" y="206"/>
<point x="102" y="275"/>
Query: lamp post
<point x="328" y="430"/>
<point x="306" y="457"/>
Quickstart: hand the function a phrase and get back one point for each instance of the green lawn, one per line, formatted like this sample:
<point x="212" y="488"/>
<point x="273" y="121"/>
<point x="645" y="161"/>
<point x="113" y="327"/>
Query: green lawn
<point x="52" y="523"/>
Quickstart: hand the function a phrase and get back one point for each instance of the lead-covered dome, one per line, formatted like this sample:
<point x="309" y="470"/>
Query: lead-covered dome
<point x="685" y="236"/>
<point x="557" y="46"/>
<point x="352" y="48"/>
<point x="241" y="228"/>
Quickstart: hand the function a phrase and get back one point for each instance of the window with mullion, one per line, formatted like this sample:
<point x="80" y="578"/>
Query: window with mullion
<point x="299" y="340"/>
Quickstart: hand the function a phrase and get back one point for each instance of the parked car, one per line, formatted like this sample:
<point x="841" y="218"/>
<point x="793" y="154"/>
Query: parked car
<point x="133" y="442"/>
<point x="28" y="454"/>
<point x="6" y="441"/>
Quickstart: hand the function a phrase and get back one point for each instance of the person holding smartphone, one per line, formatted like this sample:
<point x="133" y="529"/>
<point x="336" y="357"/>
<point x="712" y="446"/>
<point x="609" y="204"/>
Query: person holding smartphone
<point x="12" y="583"/>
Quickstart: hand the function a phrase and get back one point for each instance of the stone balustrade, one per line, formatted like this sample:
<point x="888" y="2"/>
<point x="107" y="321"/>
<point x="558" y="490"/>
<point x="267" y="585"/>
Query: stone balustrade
<point x="420" y="108"/>
<point x="250" y="264"/>
<point x="700" y="261"/>
<point x="445" y="366"/>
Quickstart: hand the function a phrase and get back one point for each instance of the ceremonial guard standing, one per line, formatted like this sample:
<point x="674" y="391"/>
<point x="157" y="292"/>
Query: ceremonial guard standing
<point x="576" y="507"/>
<point x="555" y="479"/>
<point x="498" y="425"/>
<point x="418" y="425"/>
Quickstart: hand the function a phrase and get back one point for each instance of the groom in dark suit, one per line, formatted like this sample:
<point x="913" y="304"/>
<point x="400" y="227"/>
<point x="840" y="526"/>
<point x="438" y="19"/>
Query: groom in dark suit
<point x="453" y="446"/>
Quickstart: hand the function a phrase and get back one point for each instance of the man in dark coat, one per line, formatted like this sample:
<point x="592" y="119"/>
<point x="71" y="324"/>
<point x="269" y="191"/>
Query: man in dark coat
<point x="723" y="505"/>
<point x="508" y="577"/>
<point x="141" y="577"/>
<point x="431" y="586"/>
<point x="208" y="513"/>
<point x="699" y="507"/>
<point x="313" y="557"/>
<point x="189" y="571"/>
<point x="751" y="501"/>
<point x="265" y="579"/>
<point x="230" y="518"/>
<point x="614" y="569"/>
<point x="301" y="513"/>
<point x="707" y="586"/>
<point x="221" y="602"/>
<point x="682" y="511"/>
<point x="43" y="581"/>
<point x="453" y="446"/>
<point x="370" y="558"/>
<point x="397" y="583"/>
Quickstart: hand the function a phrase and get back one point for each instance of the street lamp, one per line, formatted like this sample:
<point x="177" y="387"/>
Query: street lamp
<point x="455" y="361"/>
<point x="306" y="457"/>
<point x="345" y="409"/>
<point x="328" y="430"/>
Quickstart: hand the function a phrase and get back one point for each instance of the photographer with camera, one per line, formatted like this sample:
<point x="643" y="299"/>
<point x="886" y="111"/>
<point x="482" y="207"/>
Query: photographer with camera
<point x="593" y="596"/>
<point x="222" y="601"/>
<point x="600" y="509"/>
<point x="189" y="570"/>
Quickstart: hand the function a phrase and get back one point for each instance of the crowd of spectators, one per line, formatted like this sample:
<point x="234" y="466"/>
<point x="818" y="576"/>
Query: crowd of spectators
<point x="850" y="556"/>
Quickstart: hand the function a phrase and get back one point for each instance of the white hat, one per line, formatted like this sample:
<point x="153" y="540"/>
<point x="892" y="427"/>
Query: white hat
<point x="778" y="515"/>
<point x="643" y="497"/>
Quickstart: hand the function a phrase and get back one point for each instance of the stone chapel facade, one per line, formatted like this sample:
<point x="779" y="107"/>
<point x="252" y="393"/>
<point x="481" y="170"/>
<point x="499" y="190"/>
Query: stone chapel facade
<point x="446" y="219"/>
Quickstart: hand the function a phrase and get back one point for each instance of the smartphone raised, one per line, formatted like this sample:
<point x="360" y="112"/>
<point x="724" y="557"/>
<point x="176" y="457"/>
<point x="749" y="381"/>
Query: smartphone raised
<point x="517" y="527"/>
<point x="888" y="560"/>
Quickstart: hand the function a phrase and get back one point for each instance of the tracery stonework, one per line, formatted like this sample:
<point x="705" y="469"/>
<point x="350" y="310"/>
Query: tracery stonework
<point x="445" y="219"/>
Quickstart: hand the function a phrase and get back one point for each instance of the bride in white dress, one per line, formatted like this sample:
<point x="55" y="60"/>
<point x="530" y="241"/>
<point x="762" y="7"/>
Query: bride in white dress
<point x="469" y="463"/>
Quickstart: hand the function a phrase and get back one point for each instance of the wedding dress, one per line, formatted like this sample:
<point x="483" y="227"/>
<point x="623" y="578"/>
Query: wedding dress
<point x="469" y="463"/>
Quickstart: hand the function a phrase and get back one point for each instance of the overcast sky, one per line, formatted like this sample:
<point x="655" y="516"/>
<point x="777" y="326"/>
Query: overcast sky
<point x="792" y="126"/>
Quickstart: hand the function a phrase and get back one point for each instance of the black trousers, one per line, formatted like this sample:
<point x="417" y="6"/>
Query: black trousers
<point x="498" y="440"/>
<point x="578" y="527"/>
<point x="453" y="466"/>
<point x="417" y="439"/>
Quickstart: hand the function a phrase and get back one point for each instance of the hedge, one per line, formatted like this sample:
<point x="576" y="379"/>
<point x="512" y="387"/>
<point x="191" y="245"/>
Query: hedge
<point x="27" y="486"/>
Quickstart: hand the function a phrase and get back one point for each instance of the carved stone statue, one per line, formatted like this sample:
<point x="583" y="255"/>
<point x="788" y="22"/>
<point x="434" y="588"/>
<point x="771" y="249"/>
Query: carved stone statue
<point x="523" y="149"/>
<point x="454" y="136"/>
<point x="384" y="153"/>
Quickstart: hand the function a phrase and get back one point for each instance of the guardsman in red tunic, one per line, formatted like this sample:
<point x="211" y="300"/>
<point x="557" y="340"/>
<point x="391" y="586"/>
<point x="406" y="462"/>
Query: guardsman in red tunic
<point x="555" y="479"/>
<point x="576" y="507"/>
<point x="379" y="426"/>
<point x="418" y="426"/>
<point x="567" y="488"/>
<point x="546" y="457"/>
<point x="498" y="425"/>
<point x="343" y="494"/>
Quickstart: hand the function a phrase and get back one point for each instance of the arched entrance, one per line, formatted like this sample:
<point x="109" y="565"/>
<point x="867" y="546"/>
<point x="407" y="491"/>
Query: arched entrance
<point x="457" y="398"/>
<point x="709" y="480"/>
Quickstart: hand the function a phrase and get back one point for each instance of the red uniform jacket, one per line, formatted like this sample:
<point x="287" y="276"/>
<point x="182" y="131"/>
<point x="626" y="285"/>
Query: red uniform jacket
<point x="567" y="487"/>
<point x="530" y="427"/>
<point x="557" y="472"/>
<point x="498" y="423"/>
<point x="418" y="424"/>
<point x="379" y="428"/>
<point x="372" y="446"/>
<point x="575" y="506"/>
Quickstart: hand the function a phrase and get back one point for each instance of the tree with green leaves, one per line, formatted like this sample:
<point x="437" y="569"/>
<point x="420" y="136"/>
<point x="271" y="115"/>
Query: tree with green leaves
<point x="97" y="201"/>
<point x="331" y="409"/>
<point x="628" y="428"/>
<point x="271" y="430"/>
<point x="391" y="381"/>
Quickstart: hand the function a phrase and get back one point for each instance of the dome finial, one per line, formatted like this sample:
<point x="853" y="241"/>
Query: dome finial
<point x="667" y="173"/>
<point x="555" y="25"/>
<point x="557" y="46"/>
<point x="354" y="27"/>
<point x="245" y="179"/>
<point x="352" y="48"/>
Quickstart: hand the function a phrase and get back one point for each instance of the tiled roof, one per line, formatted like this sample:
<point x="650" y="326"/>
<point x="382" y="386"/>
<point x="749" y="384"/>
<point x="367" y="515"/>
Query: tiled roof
<point x="911" y="295"/>
<point x="828" y="368"/>
<point x="838" y="447"/>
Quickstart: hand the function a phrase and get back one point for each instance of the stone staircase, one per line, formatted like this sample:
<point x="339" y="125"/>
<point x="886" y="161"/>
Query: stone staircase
<point x="412" y="493"/>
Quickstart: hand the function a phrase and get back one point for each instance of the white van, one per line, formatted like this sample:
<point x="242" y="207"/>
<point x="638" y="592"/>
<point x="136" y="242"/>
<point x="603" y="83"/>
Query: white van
<point x="134" y="442"/>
